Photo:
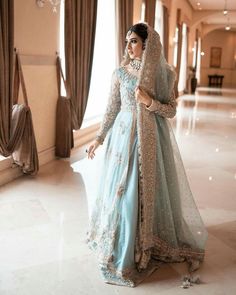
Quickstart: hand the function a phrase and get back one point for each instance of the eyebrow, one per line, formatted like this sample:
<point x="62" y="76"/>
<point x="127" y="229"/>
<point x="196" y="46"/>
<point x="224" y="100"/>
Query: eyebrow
<point x="134" y="38"/>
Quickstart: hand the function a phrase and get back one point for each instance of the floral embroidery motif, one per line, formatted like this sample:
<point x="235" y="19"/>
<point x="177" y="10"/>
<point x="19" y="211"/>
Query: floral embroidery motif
<point x="113" y="107"/>
<point x="123" y="127"/>
<point x="147" y="125"/>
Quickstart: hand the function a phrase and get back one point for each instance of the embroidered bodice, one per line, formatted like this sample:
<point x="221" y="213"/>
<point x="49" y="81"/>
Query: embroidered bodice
<point x="122" y="97"/>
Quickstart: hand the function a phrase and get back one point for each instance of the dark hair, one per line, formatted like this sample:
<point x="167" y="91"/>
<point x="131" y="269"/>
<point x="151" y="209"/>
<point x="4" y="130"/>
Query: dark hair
<point x="140" y="29"/>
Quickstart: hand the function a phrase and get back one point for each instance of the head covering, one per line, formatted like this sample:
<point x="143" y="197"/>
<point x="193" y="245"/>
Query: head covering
<point x="157" y="148"/>
<point x="156" y="77"/>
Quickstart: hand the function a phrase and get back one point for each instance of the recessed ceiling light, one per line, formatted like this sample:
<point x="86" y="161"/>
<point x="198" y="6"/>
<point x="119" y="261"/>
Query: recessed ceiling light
<point x="225" y="11"/>
<point x="198" y="4"/>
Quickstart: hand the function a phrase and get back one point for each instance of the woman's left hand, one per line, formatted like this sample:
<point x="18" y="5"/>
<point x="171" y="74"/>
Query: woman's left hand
<point x="141" y="96"/>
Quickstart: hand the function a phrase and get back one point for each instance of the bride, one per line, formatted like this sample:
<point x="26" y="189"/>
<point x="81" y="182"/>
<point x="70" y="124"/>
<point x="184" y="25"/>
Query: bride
<point x="144" y="213"/>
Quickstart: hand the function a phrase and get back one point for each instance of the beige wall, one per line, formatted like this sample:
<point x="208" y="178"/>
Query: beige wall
<point x="37" y="39"/>
<point x="226" y="41"/>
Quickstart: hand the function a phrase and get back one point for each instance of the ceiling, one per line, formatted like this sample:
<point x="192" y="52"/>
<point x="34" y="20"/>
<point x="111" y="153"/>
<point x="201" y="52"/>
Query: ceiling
<point x="213" y="4"/>
<point x="217" y="6"/>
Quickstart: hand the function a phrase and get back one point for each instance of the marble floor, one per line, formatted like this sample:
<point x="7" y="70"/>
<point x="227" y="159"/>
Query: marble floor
<point x="43" y="219"/>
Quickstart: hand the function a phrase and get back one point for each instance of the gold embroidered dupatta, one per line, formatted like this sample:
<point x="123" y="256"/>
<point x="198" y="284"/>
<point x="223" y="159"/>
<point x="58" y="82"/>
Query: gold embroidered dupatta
<point x="157" y="79"/>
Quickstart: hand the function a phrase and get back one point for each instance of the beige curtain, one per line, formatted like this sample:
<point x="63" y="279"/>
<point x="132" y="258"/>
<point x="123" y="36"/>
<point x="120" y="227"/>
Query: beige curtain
<point x="150" y="6"/>
<point x="6" y="71"/>
<point x="179" y="26"/>
<point x="124" y="14"/>
<point x="80" y="25"/>
<point x="166" y="32"/>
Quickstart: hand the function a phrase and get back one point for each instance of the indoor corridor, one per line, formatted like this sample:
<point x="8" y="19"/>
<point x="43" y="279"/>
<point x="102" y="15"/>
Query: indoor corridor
<point x="43" y="220"/>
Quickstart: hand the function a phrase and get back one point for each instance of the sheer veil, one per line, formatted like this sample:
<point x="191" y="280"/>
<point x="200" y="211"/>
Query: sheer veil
<point x="163" y="183"/>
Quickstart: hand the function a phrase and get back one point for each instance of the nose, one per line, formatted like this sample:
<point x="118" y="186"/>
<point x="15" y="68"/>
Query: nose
<point x="128" y="45"/>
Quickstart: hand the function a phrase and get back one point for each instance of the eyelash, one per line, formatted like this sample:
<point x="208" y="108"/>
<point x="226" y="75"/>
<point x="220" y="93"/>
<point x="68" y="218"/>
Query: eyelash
<point x="132" y="41"/>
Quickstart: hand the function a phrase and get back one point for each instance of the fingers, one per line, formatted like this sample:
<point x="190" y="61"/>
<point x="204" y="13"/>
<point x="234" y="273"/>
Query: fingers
<point x="91" y="151"/>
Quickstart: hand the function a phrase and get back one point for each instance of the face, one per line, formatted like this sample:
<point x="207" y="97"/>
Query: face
<point x="134" y="45"/>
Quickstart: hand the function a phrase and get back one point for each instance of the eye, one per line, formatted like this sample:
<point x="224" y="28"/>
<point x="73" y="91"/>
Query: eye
<point x="134" y="41"/>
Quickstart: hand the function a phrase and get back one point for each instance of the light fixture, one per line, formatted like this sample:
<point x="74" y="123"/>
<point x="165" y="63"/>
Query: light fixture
<point x="227" y="27"/>
<point x="225" y="11"/>
<point x="202" y="53"/>
<point x="54" y="4"/>
<point x="198" y="4"/>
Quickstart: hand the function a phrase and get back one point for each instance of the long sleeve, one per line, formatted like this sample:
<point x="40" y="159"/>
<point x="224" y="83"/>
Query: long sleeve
<point x="167" y="110"/>
<point x="113" y="108"/>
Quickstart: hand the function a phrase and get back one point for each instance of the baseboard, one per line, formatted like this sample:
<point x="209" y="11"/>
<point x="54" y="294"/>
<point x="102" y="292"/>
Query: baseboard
<point x="46" y="156"/>
<point x="8" y="172"/>
<point x="81" y="137"/>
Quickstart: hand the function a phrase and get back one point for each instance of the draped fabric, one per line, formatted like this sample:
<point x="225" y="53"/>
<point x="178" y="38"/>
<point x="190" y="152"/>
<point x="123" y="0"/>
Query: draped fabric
<point x="16" y="126"/>
<point x="179" y="26"/>
<point x="144" y="212"/>
<point x="22" y="142"/>
<point x="6" y="71"/>
<point x="166" y="32"/>
<point x="80" y="25"/>
<point x="64" y="132"/>
<point x="124" y="15"/>
<point x="150" y="12"/>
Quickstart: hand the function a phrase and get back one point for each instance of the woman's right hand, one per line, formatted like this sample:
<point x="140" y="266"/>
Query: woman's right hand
<point x="91" y="150"/>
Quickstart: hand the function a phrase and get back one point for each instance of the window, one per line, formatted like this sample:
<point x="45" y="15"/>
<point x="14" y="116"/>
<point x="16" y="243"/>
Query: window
<point x="62" y="38"/>
<point x="194" y="50"/>
<point x="175" y="49"/>
<point x="159" y="21"/>
<point x="183" y="64"/>
<point x="104" y="60"/>
<point x="198" y="60"/>
<point x="143" y="7"/>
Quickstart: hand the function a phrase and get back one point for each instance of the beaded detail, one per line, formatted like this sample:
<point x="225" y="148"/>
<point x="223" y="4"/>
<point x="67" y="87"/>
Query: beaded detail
<point x="169" y="226"/>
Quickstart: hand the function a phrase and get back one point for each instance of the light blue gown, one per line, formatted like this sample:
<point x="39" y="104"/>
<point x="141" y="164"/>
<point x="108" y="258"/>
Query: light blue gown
<point x="115" y="215"/>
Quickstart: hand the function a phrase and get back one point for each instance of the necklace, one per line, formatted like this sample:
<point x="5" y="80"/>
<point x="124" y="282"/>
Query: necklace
<point x="135" y="64"/>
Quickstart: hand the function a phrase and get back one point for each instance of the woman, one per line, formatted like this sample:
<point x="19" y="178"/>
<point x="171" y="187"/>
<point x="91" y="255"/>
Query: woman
<point x="144" y="213"/>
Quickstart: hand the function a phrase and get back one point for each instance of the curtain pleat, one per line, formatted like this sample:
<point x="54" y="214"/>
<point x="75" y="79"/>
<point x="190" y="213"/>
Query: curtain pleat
<point x="166" y="31"/>
<point x="124" y="15"/>
<point x="80" y="26"/>
<point x="64" y="133"/>
<point x="22" y="144"/>
<point x="150" y="6"/>
<point x="6" y="71"/>
<point x="16" y="126"/>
